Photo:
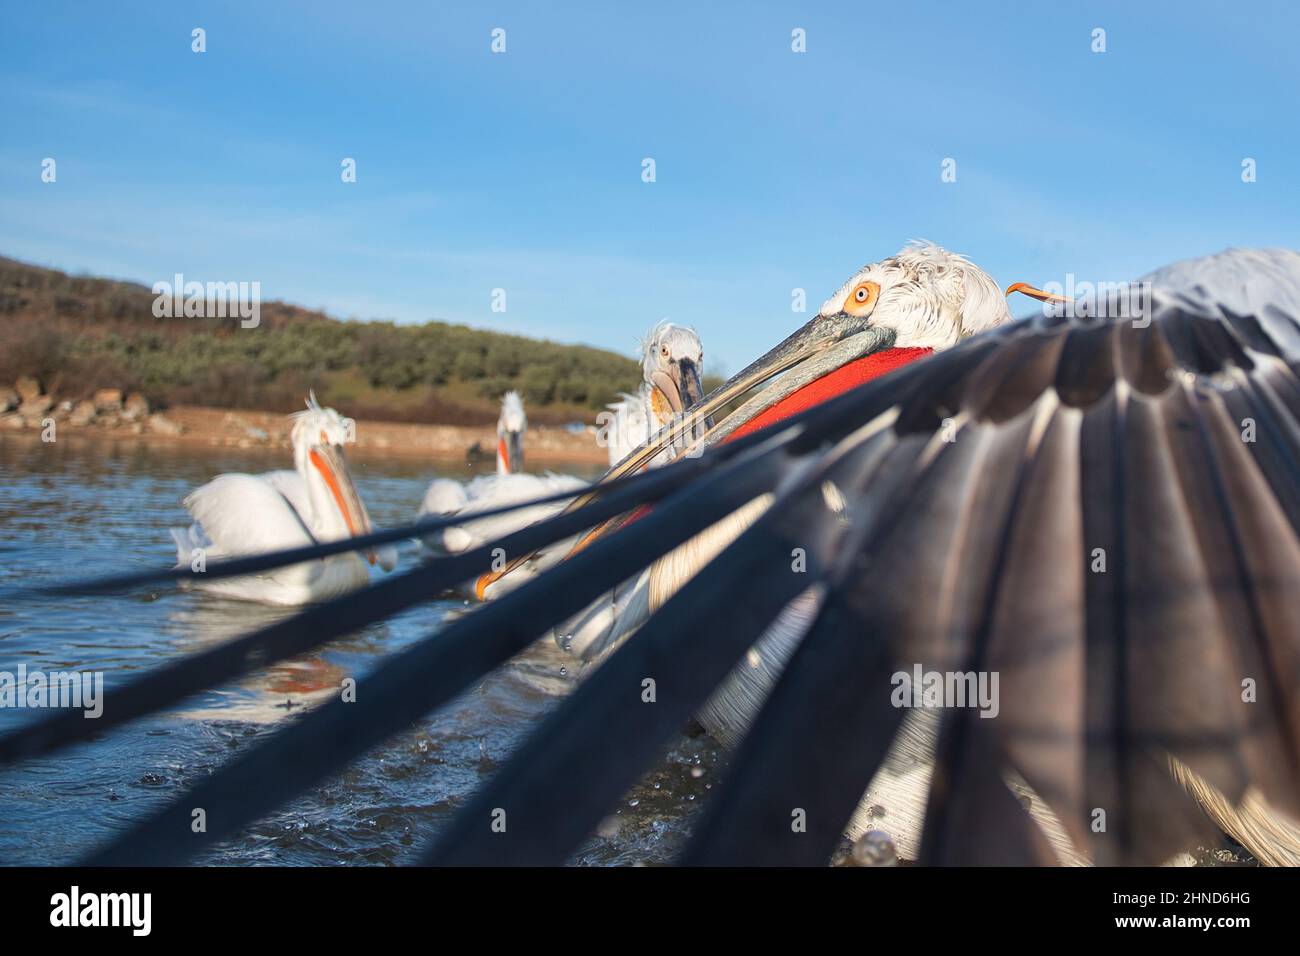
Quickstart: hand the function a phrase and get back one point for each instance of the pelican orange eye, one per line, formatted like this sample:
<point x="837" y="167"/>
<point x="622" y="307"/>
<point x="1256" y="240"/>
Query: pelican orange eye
<point x="862" y="298"/>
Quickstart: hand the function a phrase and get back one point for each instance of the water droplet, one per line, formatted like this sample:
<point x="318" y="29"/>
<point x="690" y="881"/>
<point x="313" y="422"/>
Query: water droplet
<point x="874" y="848"/>
<point x="634" y="803"/>
<point x="564" y="671"/>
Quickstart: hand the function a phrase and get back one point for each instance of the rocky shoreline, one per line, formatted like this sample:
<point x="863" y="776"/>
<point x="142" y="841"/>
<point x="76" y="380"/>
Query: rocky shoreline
<point x="114" y="414"/>
<point x="26" y="405"/>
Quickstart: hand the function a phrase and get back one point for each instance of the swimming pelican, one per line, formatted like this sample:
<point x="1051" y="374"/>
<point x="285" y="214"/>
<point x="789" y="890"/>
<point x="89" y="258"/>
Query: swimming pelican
<point x="672" y="361"/>
<point x="239" y="515"/>
<point x="508" y="486"/>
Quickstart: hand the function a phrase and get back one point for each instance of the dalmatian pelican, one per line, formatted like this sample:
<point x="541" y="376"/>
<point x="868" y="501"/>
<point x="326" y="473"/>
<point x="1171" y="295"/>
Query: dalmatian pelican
<point x="672" y="362"/>
<point x="509" y="485"/>
<point x="925" y="297"/>
<point x="239" y="514"/>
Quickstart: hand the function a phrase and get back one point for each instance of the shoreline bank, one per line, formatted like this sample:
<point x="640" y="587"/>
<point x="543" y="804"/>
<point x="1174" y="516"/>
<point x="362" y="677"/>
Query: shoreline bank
<point x="196" y="427"/>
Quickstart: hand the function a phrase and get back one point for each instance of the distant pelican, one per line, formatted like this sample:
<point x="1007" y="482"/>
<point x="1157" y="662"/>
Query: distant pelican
<point x="239" y="515"/>
<point x="672" y="361"/>
<point x="509" y="485"/>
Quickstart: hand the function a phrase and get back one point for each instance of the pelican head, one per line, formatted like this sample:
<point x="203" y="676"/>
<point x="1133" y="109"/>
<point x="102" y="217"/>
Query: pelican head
<point x="672" y="362"/>
<point x="921" y="299"/>
<point x="930" y="298"/>
<point x="510" y="434"/>
<point x="318" y="437"/>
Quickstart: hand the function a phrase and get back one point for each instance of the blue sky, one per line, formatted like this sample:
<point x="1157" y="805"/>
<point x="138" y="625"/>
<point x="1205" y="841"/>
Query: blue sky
<point x="522" y="171"/>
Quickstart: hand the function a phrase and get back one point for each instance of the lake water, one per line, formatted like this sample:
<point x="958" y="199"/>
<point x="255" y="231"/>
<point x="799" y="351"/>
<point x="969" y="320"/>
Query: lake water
<point x="83" y="507"/>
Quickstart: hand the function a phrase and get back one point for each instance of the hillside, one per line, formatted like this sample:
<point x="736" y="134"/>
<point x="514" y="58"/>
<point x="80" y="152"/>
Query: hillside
<point x="78" y="334"/>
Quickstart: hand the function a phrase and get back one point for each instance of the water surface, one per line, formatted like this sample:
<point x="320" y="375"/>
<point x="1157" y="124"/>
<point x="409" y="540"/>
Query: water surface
<point x="82" y="507"/>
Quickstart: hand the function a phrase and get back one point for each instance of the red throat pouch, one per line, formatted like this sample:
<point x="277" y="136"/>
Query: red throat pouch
<point x="835" y="383"/>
